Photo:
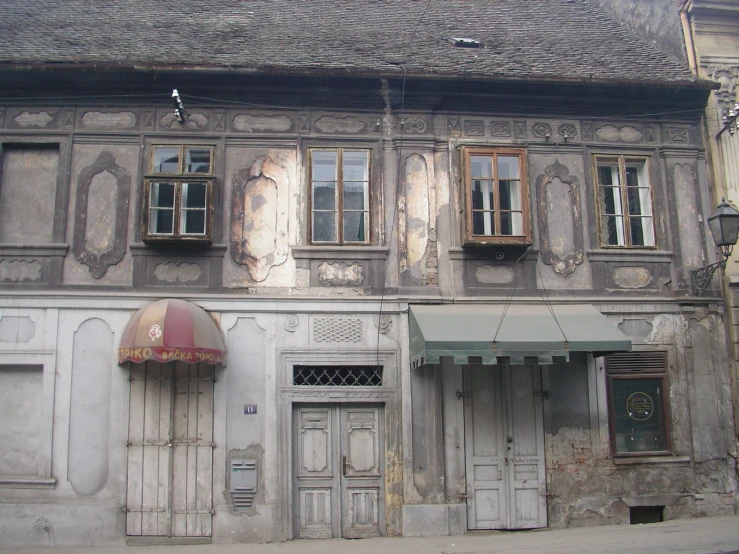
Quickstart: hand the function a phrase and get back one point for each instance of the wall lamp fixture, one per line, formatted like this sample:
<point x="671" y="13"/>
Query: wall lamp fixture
<point x="724" y="226"/>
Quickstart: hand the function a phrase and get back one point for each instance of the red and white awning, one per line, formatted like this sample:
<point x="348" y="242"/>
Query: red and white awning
<point x="172" y="330"/>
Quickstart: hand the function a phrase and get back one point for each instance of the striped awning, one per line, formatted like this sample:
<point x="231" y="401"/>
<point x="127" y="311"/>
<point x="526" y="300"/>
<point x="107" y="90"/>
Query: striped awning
<point x="172" y="330"/>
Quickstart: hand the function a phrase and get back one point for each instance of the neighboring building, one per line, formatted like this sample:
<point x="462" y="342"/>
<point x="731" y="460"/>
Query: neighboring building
<point x="415" y="251"/>
<point x="712" y="35"/>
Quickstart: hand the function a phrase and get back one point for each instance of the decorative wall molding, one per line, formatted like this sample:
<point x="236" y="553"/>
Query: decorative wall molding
<point x="20" y="270"/>
<point x="340" y="273"/>
<point x="611" y="133"/>
<point x="566" y="253"/>
<point x="183" y="272"/>
<point x="258" y="217"/>
<point x="98" y="257"/>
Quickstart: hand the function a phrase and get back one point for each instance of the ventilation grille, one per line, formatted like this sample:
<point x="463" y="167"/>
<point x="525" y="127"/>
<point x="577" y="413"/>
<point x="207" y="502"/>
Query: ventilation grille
<point x="637" y="362"/>
<point x="337" y="376"/>
<point x="242" y="500"/>
<point x="337" y="330"/>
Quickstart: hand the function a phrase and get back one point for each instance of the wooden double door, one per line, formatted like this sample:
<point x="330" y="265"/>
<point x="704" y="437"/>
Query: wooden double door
<point x="170" y="450"/>
<point x="338" y="488"/>
<point x="504" y="447"/>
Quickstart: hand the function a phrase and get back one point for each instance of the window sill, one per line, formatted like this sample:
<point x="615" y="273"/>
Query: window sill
<point x="501" y="253"/>
<point x="349" y="251"/>
<point x="630" y="254"/>
<point x="667" y="459"/>
<point x="186" y="248"/>
<point x="27" y="483"/>
<point x="39" y="250"/>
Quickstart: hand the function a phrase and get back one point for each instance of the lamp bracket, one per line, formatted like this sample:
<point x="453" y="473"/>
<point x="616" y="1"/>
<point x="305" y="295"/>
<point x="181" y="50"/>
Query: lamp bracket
<point x="700" y="278"/>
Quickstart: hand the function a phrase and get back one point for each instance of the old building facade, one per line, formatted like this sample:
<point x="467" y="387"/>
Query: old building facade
<point x="359" y="286"/>
<point x="711" y="30"/>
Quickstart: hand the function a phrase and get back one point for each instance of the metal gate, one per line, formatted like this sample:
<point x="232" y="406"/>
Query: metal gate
<point x="170" y="450"/>
<point x="504" y="447"/>
<point x="338" y="462"/>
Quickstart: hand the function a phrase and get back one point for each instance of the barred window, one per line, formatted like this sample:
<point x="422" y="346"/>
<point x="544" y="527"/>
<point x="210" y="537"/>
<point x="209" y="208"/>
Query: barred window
<point x="337" y="376"/>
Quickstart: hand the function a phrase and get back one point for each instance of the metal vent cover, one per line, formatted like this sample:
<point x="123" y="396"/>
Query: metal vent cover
<point x="637" y="362"/>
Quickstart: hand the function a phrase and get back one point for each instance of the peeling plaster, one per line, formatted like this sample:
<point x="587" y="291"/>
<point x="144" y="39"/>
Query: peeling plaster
<point x="259" y="218"/>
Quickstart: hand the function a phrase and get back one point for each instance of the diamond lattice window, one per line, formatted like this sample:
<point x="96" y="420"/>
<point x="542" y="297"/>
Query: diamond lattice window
<point x="337" y="376"/>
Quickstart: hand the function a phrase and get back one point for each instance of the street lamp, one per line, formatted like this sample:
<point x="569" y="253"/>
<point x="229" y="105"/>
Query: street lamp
<point x="724" y="226"/>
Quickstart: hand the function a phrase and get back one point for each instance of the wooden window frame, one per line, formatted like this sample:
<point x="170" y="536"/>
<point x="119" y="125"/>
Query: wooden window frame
<point x="622" y="161"/>
<point x="178" y="179"/>
<point x="471" y="239"/>
<point x="635" y="366"/>
<point x="340" y="196"/>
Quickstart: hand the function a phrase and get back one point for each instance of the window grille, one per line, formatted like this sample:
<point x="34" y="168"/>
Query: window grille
<point x="337" y="376"/>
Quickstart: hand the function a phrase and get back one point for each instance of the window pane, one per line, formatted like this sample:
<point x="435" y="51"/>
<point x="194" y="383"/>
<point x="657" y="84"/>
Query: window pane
<point x="197" y="160"/>
<point x="324" y="196"/>
<point x="482" y="223"/>
<point x="166" y="159"/>
<point x="638" y="415"/>
<point x="162" y="195"/>
<point x="612" y="230"/>
<point x="511" y="223"/>
<point x="510" y="195"/>
<point x="193" y="195"/>
<point x="324" y="165"/>
<point x="481" y="167"/>
<point x="355" y="196"/>
<point x="482" y="195"/>
<point x="193" y="222"/>
<point x="642" y="231"/>
<point x="356" y="166"/>
<point x="508" y="167"/>
<point x="193" y="208"/>
<point x="355" y="226"/>
<point x="324" y="227"/>
<point x="161" y="222"/>
<point x="161" y="214"/>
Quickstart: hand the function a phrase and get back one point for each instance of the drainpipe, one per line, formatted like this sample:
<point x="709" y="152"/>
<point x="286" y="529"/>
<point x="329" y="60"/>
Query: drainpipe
<point x="689" y="46"/>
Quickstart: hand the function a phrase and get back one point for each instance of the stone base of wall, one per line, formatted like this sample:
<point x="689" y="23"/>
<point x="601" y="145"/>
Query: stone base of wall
<point x="49" y="525"/>
<point x="431" y="520"/>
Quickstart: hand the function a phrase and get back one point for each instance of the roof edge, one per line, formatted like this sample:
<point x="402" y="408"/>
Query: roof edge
<point x="700" y="84"/>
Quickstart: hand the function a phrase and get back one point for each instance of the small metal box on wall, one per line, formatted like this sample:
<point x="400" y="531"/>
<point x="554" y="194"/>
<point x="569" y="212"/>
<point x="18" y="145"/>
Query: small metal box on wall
<point x="243" y="483"/>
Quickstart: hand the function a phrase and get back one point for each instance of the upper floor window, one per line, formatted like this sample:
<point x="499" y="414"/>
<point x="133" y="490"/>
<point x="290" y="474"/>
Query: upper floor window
<point x="178" y="194"/>
<point x="339" y="196"/>
<point x="624" y="201"/>
<point x="496" y="196"/>
<point x="638" y="402"/>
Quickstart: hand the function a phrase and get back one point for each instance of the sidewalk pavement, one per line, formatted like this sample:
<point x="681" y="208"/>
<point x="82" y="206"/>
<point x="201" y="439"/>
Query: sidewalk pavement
<point x="698" y="536"/>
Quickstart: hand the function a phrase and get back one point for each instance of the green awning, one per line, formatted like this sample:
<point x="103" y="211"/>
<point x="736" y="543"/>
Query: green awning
<point x="464" y="330"/>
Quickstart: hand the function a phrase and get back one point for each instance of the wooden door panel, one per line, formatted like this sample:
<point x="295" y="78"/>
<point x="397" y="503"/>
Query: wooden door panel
<point x="361" y="485"/>
<point x="362" y="445"/>
<point x="526" y="462"/>
<point x="338" y="471"/>
<point x="314" y="444"/>
<point x="484" y="450"/>
<point x="192" y="451"/>
<point x="315" y="513"/>
<point x="363" y="513"/>
<point x="170" y="458"/>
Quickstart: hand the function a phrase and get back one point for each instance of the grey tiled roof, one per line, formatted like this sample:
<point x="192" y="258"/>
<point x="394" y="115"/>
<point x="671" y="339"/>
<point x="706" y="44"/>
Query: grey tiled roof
<point x="523" y="39"/>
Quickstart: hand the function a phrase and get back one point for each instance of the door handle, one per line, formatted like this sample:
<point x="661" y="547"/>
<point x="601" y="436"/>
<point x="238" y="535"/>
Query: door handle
<point x="344" y="465"/>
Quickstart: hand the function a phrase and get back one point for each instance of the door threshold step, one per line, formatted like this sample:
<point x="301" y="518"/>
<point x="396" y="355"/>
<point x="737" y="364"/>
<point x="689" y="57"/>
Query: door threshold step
<point x="163" y="541"/>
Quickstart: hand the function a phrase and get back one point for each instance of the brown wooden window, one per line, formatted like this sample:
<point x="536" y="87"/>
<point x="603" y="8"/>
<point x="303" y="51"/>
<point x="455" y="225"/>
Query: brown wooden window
<point x="638" y="403"/>
<point x="178" y="194"/>
<point x="496" y="196"/>
<point x="624" y="201"/>
<point x="339" y="196"/>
